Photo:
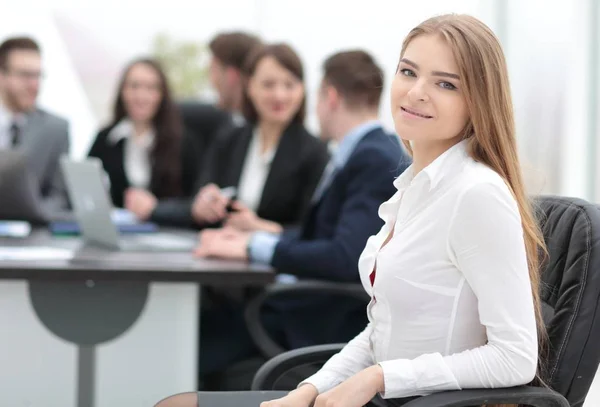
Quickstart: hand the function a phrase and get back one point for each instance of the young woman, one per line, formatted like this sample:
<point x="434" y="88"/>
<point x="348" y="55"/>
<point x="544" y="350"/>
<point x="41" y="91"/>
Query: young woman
<point x="453" y="274"/>
<point x="273" y="161"/>
<point x="144" y="151"/>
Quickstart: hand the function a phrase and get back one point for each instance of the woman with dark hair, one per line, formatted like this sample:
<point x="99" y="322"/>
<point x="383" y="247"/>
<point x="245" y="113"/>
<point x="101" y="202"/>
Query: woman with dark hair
<point x="273" y="162"/>
<point x="144" y="150"/>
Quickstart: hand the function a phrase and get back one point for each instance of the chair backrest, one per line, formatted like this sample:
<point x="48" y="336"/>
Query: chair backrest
<point x="571" y="293"/>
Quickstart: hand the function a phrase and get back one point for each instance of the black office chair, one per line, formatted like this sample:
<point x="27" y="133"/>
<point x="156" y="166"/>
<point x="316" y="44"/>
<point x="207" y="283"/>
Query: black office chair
<point x="240" y="375"/>
<point x="570" y="294"/>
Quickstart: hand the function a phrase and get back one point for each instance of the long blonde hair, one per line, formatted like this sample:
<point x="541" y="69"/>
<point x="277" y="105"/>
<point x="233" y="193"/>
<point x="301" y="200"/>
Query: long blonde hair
<point x="491" y="127"/>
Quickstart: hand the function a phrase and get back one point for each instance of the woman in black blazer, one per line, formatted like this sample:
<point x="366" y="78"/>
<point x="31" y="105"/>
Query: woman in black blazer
<point x="144" y="151"/>
<point x="273" y="162"/>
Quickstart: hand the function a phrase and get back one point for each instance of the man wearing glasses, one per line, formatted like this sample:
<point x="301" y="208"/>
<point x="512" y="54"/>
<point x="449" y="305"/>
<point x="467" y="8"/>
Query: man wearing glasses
<point x="39" y="135"/>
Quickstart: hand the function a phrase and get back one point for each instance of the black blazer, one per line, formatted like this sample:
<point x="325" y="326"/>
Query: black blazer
<point x="295" y="171"/>
<point x="112" y="157"/>
<point x="204" y="121"/>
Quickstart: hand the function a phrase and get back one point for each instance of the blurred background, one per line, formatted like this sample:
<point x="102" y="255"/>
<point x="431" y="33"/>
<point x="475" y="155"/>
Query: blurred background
<point x="552" y="49"/>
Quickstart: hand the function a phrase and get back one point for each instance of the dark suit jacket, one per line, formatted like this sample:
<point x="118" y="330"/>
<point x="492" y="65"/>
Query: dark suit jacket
<point x="295" y="171"/>
<point x="204" y="121"/>
<point x="112" y="157"/>
<point x="332" y="238"/>
<point x="44" y="139"/>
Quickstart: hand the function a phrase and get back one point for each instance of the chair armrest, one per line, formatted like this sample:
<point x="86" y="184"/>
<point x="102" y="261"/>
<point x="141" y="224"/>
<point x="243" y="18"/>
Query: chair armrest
<point x="528" y="395"/>
<point x="237" y="398"/>
<point x="270" y="372"/>
<point x="268" y="347"/>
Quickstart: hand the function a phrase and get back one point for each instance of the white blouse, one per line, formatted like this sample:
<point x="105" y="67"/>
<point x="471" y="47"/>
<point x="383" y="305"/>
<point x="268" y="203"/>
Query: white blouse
<point x="451" y="303"/>
<point x="137" y="153"/>
<point x="255" y="171"/>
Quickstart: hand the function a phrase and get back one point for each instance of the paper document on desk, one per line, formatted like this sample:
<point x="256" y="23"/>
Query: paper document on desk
<point x="32" y="253"/>
<point x="11" y="228"/>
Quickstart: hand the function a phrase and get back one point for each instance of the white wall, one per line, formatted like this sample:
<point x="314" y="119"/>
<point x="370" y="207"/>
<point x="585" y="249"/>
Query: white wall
<point x="547" y="46"/>
<point x="547" y="43"/>
<point x="319" y="28"/>
<point x="61" y="92"/>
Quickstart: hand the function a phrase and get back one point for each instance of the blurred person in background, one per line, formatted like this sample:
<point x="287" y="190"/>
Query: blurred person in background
<point x="229" y="54"/>
<point x="41" y="136"/>
<point x="205" y="121"/>
<point x="229" y="51"/>
<point x="145" y="151"/>
<point x="273" y="161"/>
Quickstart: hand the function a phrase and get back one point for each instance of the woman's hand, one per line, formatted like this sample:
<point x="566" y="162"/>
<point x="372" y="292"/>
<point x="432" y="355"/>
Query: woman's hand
<point x="209" y="205"/>
<point x="303" y="396"/>
<point x="140" y="202"/>
<point x="244" y="219"/>
<point x="357" y="391"/>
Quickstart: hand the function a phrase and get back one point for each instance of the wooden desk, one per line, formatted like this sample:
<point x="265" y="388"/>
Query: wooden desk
<point x="105" y="328"/>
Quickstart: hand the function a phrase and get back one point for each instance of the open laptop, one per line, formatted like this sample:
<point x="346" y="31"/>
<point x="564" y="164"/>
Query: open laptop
<point x="19" y="190"/>
<point x="92" y="207"/>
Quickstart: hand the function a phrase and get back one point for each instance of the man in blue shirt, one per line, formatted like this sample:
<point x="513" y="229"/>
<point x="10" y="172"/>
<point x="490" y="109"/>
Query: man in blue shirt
<point x="344" y="214"/>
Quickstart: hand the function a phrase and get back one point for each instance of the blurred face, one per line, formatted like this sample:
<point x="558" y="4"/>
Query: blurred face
<point x="220" y="81"/>
<point x="325" y="110"/>
<point x="20" y="81"/>
<point x="142" y="93"/>
<point x="428" y="104"/>
<point x="275" y="92"/>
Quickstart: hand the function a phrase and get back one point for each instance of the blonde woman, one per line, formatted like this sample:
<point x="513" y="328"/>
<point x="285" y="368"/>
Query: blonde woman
<point x="453" y="274"/>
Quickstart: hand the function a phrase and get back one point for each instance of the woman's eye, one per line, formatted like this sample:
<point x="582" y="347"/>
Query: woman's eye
<point x="407" y="72"/>
<point x="447" y="85"/>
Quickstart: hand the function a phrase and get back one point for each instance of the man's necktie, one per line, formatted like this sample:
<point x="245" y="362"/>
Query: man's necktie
<point x="15" y="134"/>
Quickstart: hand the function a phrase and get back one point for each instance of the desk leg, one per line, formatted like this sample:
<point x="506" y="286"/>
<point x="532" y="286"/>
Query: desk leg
<point x="86" y="368"/>
<point x="54" y="339"/>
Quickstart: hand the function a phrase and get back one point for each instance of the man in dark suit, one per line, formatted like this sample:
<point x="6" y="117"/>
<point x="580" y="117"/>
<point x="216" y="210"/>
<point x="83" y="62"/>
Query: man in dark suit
<point x="358" y="179"/>
<point x="41" y="136"/>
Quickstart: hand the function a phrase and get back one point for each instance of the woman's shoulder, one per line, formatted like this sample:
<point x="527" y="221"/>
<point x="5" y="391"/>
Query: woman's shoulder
<point x="480" y="182"/>
<point x="102" y="135"/>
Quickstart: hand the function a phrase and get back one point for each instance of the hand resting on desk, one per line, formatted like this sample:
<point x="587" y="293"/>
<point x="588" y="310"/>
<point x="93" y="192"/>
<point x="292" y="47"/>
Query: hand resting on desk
<point x="226" y="243"/>
<point x="246" y="220"/>
<point x="140" y="202"/>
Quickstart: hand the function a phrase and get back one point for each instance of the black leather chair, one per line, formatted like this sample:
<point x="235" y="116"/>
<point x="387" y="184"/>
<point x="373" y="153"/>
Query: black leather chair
<point x="570" y="293"/>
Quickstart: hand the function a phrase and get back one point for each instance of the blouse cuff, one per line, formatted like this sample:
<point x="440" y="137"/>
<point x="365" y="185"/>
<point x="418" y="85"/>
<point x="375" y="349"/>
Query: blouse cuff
<point x="323" y="381"/>
<point x="418" y="377"/>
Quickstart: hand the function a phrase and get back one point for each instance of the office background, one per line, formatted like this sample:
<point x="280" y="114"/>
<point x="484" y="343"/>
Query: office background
<point x="552" y="48"/>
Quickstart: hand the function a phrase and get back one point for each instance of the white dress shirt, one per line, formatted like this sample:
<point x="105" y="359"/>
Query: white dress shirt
<point x="451" y="304"/>
<point x="254" y="173"/>
<point x="137" y="153"/>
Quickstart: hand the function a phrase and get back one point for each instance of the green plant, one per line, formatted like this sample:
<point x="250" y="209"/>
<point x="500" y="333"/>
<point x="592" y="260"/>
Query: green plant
<point x="185" y="64"/>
